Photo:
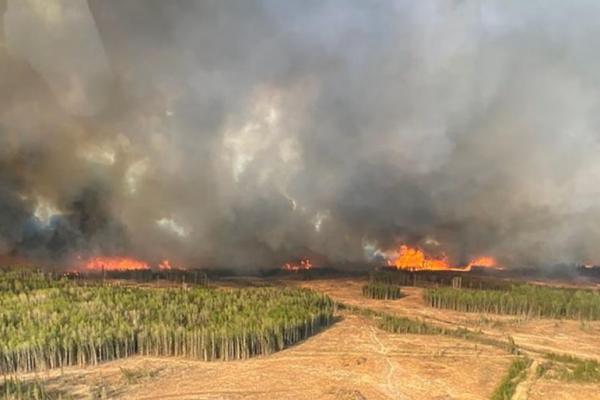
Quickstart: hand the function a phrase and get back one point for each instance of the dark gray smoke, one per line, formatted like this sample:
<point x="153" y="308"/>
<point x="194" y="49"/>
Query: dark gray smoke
<point x="248" y="133"/>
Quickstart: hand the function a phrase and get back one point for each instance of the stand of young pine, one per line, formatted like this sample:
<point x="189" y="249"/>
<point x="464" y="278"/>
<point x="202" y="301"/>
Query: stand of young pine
<point x="436" y="279"/>
<point x="526" y="300"/>
<point x="50" y="324"/>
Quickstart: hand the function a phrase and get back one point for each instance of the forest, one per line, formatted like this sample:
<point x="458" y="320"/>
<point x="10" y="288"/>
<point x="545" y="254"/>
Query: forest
<point x="437" y="278"/>
<point x="525" y="300"/>
<point x="49" y="323"/>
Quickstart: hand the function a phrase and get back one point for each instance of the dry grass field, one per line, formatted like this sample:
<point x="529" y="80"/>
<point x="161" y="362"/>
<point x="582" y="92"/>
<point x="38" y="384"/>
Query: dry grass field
<point x="353" y="359"/>
<point x="533" y="336"/>
<point x="579" y="338"/>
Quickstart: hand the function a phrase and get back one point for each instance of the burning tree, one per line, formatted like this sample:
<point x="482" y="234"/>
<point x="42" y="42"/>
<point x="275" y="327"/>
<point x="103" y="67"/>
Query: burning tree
<point x="415" y="259"/>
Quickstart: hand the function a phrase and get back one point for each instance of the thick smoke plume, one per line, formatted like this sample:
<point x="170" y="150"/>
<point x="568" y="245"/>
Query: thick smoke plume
<point x="247" y="133"/>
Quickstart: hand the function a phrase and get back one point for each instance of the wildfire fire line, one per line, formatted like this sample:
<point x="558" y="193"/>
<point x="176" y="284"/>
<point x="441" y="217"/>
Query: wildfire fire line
<point x="407" y="258"/>
<point x="303" y="265"/>
<point x="121" y="264"/>
<point x="411" y="258"/>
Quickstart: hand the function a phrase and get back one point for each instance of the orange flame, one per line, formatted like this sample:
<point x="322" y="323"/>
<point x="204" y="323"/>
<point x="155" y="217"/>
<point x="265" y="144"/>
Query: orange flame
<point x="115" y="264"/>
<point x="303" y="265"/>
<point x="415" y="259"/>
<point x="488" y="262"/>
<point x="165" y="264"/>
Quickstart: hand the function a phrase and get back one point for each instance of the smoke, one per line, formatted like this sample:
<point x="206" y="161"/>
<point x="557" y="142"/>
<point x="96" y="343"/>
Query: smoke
<point x="249" y="133"/>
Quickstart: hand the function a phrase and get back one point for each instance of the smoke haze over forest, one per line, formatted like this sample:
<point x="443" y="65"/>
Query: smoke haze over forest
<point x="246" y="133"/>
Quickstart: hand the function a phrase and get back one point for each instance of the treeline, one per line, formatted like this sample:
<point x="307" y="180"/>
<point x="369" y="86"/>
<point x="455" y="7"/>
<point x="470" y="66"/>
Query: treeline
<point x="302" y="274"/>
<point x="525" y="300"/>
<point x="381" y="291"/>
<point x="191" y="276"/>
<point x="436" y="279"/>
<point x="75" y="325"/>
<point x="18" y="280"/>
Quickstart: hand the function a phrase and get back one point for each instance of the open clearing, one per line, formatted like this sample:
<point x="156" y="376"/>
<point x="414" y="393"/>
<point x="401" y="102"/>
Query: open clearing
<point x="578" y="338"/>
<point x="533" y="336"/>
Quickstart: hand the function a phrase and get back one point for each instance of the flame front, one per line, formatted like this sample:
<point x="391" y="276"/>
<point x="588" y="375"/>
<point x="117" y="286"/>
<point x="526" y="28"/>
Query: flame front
<point x="115" y="264"/>
<point x="303" y="265"/>
<point x="488" y="262"/>
<point x="415" y="259"/>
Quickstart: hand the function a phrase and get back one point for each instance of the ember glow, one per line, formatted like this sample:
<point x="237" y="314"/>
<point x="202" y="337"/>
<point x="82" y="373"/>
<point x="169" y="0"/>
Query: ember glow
<point x="412" y="258"/>
<point x="165" y="264"/>
<point x="303" y="265"/>
<point x="115" y="264"/>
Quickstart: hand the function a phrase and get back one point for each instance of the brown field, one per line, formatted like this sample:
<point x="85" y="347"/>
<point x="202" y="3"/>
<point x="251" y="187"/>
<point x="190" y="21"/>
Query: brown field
<point x="533" y="336"/>
<point x="579" y="338"/>
<point x="355" y="360"/>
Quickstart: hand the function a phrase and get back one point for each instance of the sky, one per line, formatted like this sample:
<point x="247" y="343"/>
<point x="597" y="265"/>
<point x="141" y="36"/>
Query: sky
<point x="246" y="134"/>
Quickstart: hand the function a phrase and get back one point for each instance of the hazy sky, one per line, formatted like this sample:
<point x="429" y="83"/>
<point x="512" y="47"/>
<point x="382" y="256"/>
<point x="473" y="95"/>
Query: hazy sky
<point x="249" y="133"/>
